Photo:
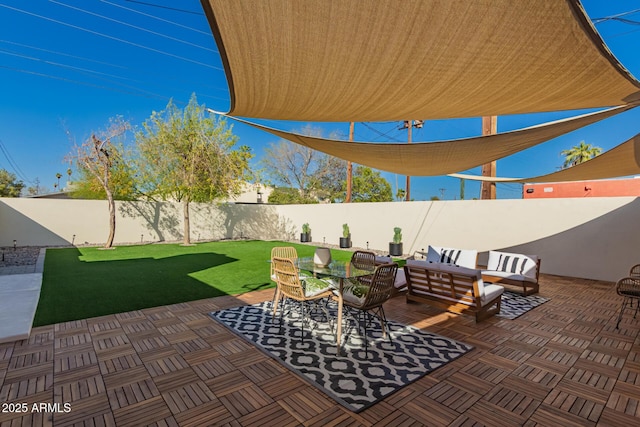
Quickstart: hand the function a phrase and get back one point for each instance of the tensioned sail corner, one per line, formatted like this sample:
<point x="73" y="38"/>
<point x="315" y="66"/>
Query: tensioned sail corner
<point x="346" y="60"/>
<point x="442" y="157"/>
<point x="622" y="160"/>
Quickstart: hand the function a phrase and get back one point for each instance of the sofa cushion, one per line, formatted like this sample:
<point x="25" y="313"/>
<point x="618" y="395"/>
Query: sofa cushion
<point x="511" y="276"/>
<point x="462" y="257"/>
<point x="490" y="292"/>
<point x="515" y="264"/>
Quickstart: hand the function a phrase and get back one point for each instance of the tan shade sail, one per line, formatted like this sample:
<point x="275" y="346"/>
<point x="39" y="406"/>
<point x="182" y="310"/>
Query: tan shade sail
<point x="623" y="160"/>
<point x="355" y="60"/>
<point x="443" y="157"/>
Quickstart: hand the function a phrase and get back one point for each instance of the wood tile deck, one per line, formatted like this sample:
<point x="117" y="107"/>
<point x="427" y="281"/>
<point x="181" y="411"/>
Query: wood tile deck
<point x="563" y="363"/>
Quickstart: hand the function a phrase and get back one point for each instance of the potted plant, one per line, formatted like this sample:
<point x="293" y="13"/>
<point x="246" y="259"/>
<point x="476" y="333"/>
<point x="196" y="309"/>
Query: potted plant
<point x="305" y="236"/>
<point x="395" y="247"/>
<point x="345" y="240"/>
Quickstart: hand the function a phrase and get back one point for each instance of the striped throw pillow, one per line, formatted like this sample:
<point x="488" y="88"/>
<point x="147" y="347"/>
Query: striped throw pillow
<point x="512" y="264"/>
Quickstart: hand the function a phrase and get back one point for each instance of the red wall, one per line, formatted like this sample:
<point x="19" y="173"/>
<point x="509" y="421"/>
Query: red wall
<point x="600" y="188"/>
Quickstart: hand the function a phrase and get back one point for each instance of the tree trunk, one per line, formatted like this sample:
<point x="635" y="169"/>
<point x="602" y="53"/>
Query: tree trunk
<point x="187" y="229"/>
<point x="112" y="220"/>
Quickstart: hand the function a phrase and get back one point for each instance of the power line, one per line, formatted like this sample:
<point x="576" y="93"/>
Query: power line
<point x="62" y="54"/>
<point x="165" y="7"/>
<point x="155" y="33"/>
<point x="384" y="135"/>
<point x="111" y="37"/>
<point x="13" y="164"/>
<point x="617" y="17"/>
<point x="97" y="62"/>
<point x="81" y="82"/>
<point x="206" y="33"/>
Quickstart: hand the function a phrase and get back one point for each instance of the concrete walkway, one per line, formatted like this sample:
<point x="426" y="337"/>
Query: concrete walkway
<point x="19" y="295"/>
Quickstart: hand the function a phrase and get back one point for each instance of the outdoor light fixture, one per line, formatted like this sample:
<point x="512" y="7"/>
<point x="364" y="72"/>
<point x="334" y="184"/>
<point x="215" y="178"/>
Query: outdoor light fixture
<point x="15" y="243"/>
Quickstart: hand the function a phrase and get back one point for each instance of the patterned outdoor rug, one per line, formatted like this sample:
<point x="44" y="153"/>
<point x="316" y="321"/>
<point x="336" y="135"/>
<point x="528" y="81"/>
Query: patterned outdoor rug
<point x="515" y="305"/>
<point x="353" y="379"/>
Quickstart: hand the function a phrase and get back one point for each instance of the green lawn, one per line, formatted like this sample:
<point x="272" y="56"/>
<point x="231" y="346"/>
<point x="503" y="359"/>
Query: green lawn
<point x="79" y="283"/>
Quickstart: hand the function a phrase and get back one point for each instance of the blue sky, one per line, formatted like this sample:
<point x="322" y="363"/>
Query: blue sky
<point x="73" y="64"/>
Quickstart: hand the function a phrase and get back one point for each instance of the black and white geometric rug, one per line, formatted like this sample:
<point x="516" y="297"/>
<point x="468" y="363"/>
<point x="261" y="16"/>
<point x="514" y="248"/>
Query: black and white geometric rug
<point x="352" y="379"/>
<point x="515" y="305"/>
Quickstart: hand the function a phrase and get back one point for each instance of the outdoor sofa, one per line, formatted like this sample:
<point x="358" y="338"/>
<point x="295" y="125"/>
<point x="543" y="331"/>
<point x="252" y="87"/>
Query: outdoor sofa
<point x="513" y="269"/>
<point x="453" y="288"/>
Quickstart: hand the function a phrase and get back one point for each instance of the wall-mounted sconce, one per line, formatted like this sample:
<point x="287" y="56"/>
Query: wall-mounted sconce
<point x="15" y="243"/>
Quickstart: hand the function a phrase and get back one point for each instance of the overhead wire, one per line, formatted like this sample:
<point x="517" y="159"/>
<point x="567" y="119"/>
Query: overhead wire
<point x="155" y="33"/>
<point x="165" y="7"/>
<point x="206" y="33"/>
<point x="111" y="37"/>
<point x="13" y="164"/>
<point x="615" y="17"/>
<point x="62" y="54"/>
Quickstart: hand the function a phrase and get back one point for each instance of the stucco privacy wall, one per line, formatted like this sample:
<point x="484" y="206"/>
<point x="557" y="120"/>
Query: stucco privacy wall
<point x="594" y="238"/>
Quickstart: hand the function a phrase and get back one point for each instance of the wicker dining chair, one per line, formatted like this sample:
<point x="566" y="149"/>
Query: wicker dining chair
<point x="629" y="289"/>
<point x="364" y="260"/>
<point x="302" y="290"/>
<point x="368" y="299"/>
<point x="288" y="252"/>
<point x="635" y="271"/>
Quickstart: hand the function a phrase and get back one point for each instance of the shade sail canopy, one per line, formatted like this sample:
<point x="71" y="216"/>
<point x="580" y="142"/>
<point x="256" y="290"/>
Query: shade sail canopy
<point x="349" y="60"/>
<point x="622" y="160"/>
<point x="442" y="157"/>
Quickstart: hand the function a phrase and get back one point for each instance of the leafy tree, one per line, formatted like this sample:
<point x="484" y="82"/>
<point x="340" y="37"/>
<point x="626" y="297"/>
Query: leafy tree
<point x="579" y="154"/>
<point x="312" y="173"/>
<point x="10" y="186"/>
<point x="189" y="156"/>
<point x="122" y="179"/>
<point x="99" y="159"/>
<point x="370" y="186"/>
<point x="289" y="196"/>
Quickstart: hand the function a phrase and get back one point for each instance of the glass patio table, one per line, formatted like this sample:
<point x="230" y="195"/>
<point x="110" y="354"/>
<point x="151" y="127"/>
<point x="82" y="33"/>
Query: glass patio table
<point x="338" y="270"/>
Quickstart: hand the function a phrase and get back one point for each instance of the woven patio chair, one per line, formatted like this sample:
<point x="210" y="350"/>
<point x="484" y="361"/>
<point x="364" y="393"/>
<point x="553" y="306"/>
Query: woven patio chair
<point x="301" y="290"/>
<point x="629" y="289"/>
<point x="635" y="271"/>
<point x="364" y="260"/>
<point x="288" y="252"/>
<point x="367" y="299"/>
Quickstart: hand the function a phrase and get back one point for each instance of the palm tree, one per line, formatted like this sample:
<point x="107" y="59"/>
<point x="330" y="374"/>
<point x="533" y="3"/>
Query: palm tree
<point x="578" y="154"/>
<point x="58" y="176"/>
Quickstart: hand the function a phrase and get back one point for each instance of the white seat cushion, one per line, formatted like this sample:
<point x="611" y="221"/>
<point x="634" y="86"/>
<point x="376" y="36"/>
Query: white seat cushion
<point x="490" y="292"/>
<point x="506" y="275"/>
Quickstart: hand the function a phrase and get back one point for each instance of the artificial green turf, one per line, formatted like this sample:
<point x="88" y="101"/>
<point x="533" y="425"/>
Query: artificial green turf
<point x="80" y="283"/>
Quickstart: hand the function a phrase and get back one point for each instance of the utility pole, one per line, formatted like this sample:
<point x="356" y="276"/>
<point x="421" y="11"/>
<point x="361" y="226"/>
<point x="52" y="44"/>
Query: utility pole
<point x="488" y="189"/>
<point x="409" y="125"/>
<point x="347" y="198"/>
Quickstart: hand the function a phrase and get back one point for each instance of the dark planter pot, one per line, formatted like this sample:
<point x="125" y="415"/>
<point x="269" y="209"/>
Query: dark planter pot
<point x="305" y="237"/>
<point x="345" y="242"/>
<point x="395" y="249"/>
